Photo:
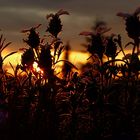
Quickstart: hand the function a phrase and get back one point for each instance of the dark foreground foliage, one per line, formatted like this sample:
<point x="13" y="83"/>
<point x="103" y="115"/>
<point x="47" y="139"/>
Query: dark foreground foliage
<point x="99" y="102"/>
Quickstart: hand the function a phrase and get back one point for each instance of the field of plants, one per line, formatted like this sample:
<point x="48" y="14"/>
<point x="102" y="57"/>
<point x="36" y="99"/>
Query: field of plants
<point x="100" y="101"/>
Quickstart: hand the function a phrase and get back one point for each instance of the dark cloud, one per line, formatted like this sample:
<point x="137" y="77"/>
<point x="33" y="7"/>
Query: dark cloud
<point x="16" y="15"/>
<point x="76" y="6"/>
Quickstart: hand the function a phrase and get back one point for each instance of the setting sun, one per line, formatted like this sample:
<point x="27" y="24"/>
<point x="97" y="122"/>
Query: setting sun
<point x="76" y="58"/>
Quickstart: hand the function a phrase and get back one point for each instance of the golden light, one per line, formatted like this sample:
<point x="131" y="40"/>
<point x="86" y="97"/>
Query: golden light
<point x="37" y="70"/>
<point x="76" y="58"/>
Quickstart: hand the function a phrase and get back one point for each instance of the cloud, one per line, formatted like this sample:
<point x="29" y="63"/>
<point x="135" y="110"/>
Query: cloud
<point x="77" y="6"/>
<point x="16" y="15"/>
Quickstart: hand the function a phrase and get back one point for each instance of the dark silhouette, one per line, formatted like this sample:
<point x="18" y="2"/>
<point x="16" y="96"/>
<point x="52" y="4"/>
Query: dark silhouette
<point x="100" y="101"/>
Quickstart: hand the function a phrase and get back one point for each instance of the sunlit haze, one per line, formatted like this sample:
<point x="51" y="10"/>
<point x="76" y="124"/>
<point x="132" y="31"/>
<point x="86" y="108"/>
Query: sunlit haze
<point x="16" y="16"/>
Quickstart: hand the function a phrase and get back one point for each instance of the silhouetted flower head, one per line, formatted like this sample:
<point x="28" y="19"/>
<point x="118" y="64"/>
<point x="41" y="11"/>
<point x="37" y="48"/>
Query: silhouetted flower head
<point x="55" y="25"/>
<point x="111" y="47"/>
<point x="45" y="58"/>
<point x="33" y="39"/>
<point x="27" y="58"/>
<point x="133" y="27"/>
<point x="134" y="63"/>
<point x="96" y="45"/>
<point x="132" y="23"/>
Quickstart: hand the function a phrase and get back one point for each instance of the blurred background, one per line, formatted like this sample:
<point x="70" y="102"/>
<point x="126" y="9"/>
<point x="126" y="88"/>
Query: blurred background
<point x="16" y="16"/>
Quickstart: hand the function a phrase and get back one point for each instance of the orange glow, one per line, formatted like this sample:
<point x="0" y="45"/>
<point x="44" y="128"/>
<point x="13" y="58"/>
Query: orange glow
<point x="76" y="58"/>
<point x="37" y="70"/>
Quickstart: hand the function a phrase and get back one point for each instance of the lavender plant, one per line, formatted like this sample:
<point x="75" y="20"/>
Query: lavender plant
<point x="99" y="102"/>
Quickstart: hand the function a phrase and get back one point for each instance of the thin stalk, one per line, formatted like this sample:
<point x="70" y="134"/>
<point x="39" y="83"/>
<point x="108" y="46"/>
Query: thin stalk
<point x="120" y="45"/>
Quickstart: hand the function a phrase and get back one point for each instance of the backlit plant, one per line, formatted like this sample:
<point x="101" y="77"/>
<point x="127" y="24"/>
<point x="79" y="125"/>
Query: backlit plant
<point x="99" y="101"/>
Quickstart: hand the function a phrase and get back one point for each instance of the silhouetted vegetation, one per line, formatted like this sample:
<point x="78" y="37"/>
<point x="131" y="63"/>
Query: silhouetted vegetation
<point x="100" y="101"/>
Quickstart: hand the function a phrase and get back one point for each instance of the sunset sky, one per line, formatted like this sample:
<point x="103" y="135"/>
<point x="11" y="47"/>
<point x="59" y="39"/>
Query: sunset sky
<point x="16" y="15"/>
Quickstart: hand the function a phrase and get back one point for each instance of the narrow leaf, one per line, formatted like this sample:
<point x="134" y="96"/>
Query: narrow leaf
<point x="2" y="42"/>
<point x="5" y="46"/>
<point x="9" y="55"/>
<point x="12" y="67"/>
<point x="129" y="43"/>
